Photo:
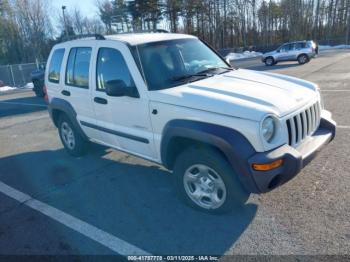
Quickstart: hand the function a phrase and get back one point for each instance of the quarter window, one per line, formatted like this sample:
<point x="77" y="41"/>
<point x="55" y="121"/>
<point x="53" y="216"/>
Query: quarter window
<point x="78" y="65"/>
<point x="55" y="66"/>
<point x="111" y="66"/>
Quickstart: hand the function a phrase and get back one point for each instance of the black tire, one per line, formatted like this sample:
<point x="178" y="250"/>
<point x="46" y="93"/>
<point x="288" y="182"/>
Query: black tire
<point x="236" y="196"/>
<point x="270" y="61"/>
<point x="80" y="145"/>
<point x="303" y="59"/>
<point x="38" y="88"/>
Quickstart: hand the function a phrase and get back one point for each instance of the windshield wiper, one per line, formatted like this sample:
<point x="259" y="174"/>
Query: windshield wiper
<point x="213" y="69"/>
<point x="204" y="73"/>
<point x="185" y="77"/>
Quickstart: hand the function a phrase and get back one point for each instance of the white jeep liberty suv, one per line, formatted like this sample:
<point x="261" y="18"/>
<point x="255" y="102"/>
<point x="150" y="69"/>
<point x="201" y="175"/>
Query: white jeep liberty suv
<point x="172" y="99"/>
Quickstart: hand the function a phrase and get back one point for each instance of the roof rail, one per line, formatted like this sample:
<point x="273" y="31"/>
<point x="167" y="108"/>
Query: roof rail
<point x="146" y="31"/>
<point x="75" y="37"/>
<point x="161" y="31"/>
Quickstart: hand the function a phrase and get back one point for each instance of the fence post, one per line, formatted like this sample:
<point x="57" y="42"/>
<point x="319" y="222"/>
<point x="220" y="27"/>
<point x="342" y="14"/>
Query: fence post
<point x="13" y="78"/>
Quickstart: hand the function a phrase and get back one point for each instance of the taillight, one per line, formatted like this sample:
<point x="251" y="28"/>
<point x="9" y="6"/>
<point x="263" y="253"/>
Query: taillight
<point x="46" y="98"/>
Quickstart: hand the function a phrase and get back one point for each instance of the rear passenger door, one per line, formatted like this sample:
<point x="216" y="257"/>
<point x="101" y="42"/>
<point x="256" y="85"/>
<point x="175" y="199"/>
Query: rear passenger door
<point x="77" y="86"/>
<point x="296" y="49"/>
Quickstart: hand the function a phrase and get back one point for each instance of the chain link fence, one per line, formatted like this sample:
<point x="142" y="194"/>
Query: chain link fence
<point x="18" y="75"/>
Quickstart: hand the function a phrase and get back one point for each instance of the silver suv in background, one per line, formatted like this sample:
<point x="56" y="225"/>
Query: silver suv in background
<point x="301" y="51"/>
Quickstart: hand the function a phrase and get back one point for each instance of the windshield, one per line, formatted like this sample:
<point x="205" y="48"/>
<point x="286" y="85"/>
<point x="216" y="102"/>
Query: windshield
<point x="171" y="63"/>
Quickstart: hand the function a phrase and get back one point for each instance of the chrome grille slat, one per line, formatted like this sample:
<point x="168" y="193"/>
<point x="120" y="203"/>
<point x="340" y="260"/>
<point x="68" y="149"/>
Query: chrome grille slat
<point x="312" y="119"/>
<point x="318" y="115"/>
<point x="308" y="112"/>
<point x="299" y="129"/>
<point x="303" y="114"/>
<point x="293" y="135"/>
<point x="303" y="124"/>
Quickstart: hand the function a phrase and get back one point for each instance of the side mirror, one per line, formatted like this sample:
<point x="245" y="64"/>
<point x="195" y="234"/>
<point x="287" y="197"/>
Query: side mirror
<point x="119" y="88"/>
<point x="228" y="61"/>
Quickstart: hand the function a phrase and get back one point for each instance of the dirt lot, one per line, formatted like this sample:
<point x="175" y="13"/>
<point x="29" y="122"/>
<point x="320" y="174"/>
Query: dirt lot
<point x="110" y="203"/>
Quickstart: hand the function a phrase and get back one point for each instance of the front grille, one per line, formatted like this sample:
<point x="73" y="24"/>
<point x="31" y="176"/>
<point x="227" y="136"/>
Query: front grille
<point x="303" y="124"/>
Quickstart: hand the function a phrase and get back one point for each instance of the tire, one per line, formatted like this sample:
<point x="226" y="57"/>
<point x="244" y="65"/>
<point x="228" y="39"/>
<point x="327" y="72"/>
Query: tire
<point x="71" y="139"/>
<point x="38" y="88"/>
<point x="206" y="171"/>
<point x="270" y="61"/>
<point x="303" y="59"/>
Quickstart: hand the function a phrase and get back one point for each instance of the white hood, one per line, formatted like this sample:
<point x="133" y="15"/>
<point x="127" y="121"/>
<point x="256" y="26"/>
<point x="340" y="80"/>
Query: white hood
<point x="242" y="93"/>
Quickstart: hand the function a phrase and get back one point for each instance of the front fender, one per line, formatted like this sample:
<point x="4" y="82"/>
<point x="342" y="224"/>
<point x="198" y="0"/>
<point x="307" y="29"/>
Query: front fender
<point x="230" y="142"/>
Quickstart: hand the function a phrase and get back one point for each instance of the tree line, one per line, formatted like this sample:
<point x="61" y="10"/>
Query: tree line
<point x="27" y="31"/>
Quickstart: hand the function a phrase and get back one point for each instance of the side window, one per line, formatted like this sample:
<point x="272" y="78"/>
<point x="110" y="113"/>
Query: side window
<point x="55" y="66"/>
<point x="78" y="65"/>
<point x="299" y="46"/>
<point x="285" y="48"/>
<point x="111" y="66"/>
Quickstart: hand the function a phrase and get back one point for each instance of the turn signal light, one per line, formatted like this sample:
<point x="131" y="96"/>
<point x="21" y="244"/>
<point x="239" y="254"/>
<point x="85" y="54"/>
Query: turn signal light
<point x="269" y="166"/>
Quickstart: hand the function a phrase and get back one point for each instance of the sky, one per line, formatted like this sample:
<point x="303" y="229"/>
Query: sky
<point x="87" y="7"/>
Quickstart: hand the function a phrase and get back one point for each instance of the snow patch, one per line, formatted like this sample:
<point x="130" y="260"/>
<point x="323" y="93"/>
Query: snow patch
<point x="29" y="85"/>
<point x="7" y="88"/>
<point x="244" y="55"/>
<point x="10" y="88"/>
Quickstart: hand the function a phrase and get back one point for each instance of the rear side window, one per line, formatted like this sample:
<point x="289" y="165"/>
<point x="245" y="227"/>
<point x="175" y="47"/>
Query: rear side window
<point x="298" y="46"/>
<point x="78" y="66"/>
<point x="55" y="66"/>
<point x="111" y="66"/>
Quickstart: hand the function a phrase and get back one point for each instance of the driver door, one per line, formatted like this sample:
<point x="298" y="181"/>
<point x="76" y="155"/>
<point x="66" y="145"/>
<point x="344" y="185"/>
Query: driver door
<point x="123" y="122"/>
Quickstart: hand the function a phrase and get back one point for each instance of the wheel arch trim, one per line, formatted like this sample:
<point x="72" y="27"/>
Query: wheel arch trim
<point x="66" y="108"/>
<point x="235" y="147"/>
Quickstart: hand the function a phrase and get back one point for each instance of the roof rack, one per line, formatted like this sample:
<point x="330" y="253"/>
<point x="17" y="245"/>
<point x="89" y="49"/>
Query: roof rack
<point x="146" y="31"/>
<point x="75" y="37"/>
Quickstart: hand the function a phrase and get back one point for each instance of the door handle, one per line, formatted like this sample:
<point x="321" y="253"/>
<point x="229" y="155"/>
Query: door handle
<point x="100" y="100"/>
<point x="65" y="93"/>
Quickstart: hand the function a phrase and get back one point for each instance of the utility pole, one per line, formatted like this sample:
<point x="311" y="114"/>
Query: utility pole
<point x="64" y="20"/>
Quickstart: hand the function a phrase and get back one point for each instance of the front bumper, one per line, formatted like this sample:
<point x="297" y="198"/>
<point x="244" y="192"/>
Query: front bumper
<point x="295" y="159"/>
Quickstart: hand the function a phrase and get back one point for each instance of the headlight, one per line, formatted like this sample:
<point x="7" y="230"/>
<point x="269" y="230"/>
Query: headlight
<point x="268" y="128"/>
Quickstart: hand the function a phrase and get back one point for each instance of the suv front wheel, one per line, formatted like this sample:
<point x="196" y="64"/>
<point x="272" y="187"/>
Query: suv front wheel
<point x="270" y="61"/>
<point x="206" y="181"/>
<point x="72" y="141"/>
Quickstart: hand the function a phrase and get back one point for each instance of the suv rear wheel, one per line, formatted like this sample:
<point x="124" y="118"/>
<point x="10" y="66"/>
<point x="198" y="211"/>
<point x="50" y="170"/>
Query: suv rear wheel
<point x="72" y="141"/>
<point x="206" y="181"/>
<point x="303" y="59"/>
